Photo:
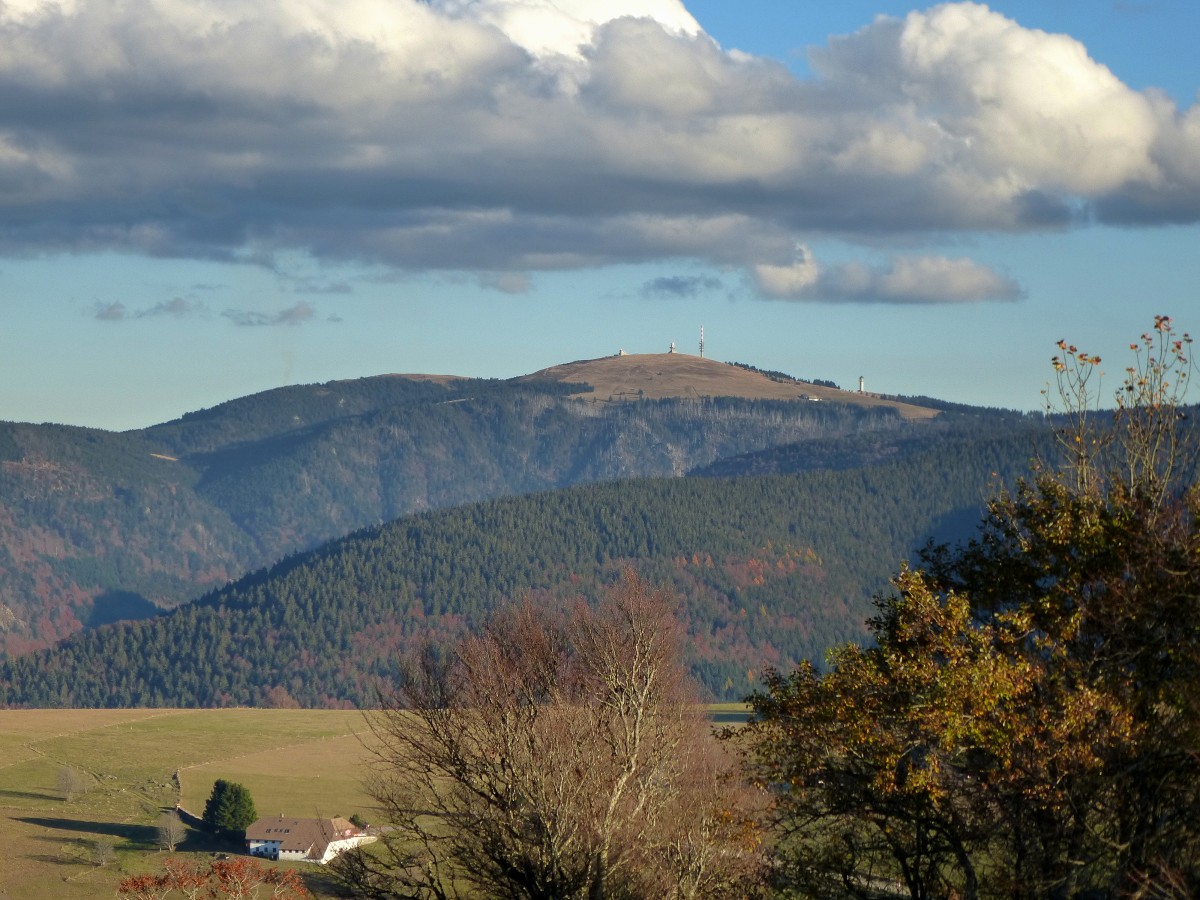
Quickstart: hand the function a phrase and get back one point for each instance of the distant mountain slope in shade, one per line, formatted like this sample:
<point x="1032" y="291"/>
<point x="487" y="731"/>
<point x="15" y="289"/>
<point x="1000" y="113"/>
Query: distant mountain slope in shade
<point x="656" y="376"/>
<point x="289" y="410"/>
<point x="874" y="448"/>
<point x="97" y="526"/>
<point x="771" y="570"/>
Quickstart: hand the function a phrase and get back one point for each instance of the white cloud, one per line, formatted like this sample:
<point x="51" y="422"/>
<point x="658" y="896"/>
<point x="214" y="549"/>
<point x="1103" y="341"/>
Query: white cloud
<point x="938" y="279"/>
<point x="1015" y="103"/>
<point x="547" y="28"/>
<point x="792" y="280"/>
<point x="906" y="279"/>
<point x="510" y="136"/>
<point x="507" y="282"/>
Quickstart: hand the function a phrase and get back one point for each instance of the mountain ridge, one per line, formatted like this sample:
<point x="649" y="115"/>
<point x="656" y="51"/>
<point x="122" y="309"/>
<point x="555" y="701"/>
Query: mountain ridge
<point x="96" y="525"/>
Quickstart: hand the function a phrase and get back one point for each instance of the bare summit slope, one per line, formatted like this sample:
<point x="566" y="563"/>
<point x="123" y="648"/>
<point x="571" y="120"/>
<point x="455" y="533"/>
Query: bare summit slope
<point x="656" y="376"/>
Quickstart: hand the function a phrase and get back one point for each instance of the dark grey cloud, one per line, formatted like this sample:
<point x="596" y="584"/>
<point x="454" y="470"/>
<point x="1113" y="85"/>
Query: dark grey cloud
<point x="319" y="286"/>
<point x="681" y="286"/>
<point x="111" y="312"/>
<point x="504" y="137"/>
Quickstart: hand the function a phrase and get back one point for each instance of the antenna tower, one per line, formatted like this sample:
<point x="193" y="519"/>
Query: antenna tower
<point x="702" y="342"/>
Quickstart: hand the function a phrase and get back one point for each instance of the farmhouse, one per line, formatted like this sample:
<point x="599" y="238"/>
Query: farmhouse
<point x="311" y="840"/>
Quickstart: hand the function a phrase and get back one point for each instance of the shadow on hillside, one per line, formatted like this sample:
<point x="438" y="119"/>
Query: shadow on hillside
<point x="137" y="834"/>
<point x="27" y="795"/>
<point x="956" y="526"/>
<point x="118" y="606"/>
<point x="146" y="836"/>
<point x="198" y="841"/>
<point x="51" y="859"/>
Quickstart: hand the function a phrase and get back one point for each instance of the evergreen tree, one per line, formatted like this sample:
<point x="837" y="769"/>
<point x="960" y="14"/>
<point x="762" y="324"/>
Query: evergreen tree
<point x="230" y="809"/>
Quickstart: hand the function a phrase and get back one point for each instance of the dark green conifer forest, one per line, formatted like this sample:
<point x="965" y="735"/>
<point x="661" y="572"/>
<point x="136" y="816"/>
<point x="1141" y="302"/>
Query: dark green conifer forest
<point x="774" y="570"/>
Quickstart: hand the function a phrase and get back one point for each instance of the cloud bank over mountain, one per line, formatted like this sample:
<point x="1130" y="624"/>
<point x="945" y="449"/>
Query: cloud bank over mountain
<point x="505" y="137"/>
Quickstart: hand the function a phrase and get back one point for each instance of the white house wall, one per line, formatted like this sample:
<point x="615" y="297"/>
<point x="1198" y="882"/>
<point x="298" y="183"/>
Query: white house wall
<point x="344" y="844"/>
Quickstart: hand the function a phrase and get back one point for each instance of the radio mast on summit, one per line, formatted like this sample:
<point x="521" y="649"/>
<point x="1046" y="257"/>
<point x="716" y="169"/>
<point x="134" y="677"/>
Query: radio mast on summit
<point x="702" y="342"/>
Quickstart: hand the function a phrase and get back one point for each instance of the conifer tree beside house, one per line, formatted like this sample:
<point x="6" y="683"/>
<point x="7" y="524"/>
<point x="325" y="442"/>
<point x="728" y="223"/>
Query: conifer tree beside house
<point x="230" y="809"/>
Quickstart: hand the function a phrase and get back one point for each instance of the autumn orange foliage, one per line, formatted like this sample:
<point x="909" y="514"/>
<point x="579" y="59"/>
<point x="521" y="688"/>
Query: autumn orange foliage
<point x="241" y="878"/>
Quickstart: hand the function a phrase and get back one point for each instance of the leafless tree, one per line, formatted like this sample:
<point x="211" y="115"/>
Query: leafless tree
<point x="101" y="851"/>
<point x="171" y="831"/>
<point x="72" y="782"/>
<point x="557" y="757"/>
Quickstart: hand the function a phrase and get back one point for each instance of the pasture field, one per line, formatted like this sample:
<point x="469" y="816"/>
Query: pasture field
<point x="137" y="763"/>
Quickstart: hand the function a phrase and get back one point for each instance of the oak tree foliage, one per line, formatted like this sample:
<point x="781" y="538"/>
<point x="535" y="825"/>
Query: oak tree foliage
<point x="1026" y="723"/>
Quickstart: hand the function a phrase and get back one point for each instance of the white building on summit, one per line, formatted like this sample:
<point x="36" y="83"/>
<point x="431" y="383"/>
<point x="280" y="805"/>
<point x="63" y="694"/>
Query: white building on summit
<point x="309" y="840"/>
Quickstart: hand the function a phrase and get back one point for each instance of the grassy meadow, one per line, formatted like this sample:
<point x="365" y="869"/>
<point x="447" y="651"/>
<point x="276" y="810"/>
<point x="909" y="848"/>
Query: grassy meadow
<point x="136" y="763"/>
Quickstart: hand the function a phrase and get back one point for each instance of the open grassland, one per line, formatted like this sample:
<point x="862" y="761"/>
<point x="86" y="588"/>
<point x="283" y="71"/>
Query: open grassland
<point x="654" y="376"/>
<point x="137" y="763"/>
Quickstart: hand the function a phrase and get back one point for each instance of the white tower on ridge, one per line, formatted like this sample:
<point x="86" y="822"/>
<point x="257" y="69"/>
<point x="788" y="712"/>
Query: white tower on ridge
<point x="861" y="383"/>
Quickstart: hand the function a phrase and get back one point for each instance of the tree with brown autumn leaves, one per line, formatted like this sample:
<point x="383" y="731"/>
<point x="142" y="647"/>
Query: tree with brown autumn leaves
<point x="240" y="878"/>
<point x="1026" y="724"/>
<point x="557" y="756"/>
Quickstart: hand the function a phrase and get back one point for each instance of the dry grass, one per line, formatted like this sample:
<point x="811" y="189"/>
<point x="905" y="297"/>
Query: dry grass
<point x="140" y="762"/>
<point x="654" y="376"/>
<point x="300" y="762"/>
<point x="322" y="778"/>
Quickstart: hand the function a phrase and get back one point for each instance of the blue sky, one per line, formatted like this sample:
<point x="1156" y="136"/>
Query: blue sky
<point x="201" y="200"/>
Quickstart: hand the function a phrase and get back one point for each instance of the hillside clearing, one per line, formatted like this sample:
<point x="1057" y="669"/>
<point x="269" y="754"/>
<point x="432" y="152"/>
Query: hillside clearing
<point x="296" y="761"/>
<point x="655" y="376"/>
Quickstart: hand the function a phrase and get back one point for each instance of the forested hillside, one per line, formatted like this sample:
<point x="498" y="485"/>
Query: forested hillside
<point x="772" y="570"/>
<point x="872" y="447"/>
<point x="97" y="526"/>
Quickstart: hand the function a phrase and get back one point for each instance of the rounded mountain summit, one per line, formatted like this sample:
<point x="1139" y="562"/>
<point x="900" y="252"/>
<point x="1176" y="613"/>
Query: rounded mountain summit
<point x="655" y="376"/>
